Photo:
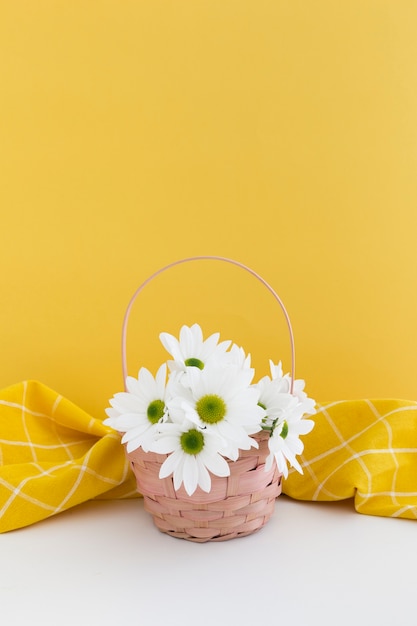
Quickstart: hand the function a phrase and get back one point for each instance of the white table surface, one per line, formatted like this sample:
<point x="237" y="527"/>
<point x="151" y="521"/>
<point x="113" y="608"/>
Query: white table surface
<point x="105" y="563"/>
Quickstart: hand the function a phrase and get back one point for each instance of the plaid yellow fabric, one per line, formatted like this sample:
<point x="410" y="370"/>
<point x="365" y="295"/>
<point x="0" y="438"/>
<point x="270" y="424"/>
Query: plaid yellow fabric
<point x="54" y="456"/>
<point x="363" y="449"/>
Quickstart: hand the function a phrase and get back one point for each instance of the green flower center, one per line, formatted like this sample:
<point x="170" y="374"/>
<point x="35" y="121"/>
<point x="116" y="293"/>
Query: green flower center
<point x="192" y="441"/>
<point x="155" y="411"/>
<point x="284" y="430"/>
<point x="192" y="362"/>
<point x="211" y="408"/>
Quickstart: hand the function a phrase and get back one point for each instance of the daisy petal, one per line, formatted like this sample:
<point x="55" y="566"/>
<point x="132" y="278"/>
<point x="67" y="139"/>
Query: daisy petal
<point x="204" y="480"/>
<point x="190" y="474"/>
<point x="216" y="464"/>
<point x="170" y="463"/>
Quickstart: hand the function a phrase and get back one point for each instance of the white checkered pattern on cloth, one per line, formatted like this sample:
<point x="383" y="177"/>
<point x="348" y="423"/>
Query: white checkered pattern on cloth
<point x="54" y="456"/>
<point x="363" y="449"/>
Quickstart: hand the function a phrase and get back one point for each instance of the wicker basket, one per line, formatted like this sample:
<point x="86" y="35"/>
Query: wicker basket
<point x="237" y="505"/>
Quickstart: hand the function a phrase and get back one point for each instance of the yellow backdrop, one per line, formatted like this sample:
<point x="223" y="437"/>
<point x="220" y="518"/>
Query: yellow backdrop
<point x="280" y="133"/>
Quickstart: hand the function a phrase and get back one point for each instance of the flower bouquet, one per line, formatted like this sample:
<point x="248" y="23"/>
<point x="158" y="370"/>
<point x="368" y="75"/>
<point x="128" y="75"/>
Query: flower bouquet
<point x="208" y="445"/>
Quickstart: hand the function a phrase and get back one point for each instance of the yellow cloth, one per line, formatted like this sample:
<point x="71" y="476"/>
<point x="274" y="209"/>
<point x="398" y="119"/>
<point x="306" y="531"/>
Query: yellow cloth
<point x="53" y="456"/>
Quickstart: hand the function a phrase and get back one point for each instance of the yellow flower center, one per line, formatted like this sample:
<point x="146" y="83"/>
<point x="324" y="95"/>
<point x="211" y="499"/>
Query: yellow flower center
<point x="193" y="362"/>
<point x="211" y="408"/>
<point x="192" y="441"/>
<point x="155" y="411"/>
<point x="284" y="430"/>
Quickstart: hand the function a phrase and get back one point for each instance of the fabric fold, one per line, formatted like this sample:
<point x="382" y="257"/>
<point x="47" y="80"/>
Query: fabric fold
<point x="362" y="449"/>
<point x="54" y="455"/>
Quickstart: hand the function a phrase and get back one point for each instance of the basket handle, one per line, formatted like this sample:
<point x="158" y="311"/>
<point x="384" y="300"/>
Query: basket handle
<point x="202" y="258"/>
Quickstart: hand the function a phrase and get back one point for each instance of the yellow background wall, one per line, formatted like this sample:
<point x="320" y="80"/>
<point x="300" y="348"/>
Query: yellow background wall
<point x="279" y="133"/>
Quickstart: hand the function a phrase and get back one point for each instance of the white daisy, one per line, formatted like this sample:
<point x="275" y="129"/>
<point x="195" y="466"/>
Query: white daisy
<point x="298" y="387"/>
<point x="192" y="350"/>
<point x="237" y="356"/>
<point x="284" y="417"/>
<point x="285" y="444"/>
<point x="274" y="401"/>
<point x="221" y="400"/>
<point x="192" y="454"/>
<point x="137" y="412"/>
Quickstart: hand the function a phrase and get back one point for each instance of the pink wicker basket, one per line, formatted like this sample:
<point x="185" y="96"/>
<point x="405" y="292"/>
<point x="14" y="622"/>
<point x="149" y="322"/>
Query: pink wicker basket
<point x="237" y="505"/>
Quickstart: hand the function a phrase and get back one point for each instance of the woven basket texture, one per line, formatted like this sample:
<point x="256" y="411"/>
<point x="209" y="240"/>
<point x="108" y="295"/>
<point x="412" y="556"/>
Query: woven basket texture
<point x="237" y="505"/>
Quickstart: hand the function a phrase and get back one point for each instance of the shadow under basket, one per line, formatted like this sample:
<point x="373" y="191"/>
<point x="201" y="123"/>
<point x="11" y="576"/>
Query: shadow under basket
<point x="237" y="505"/>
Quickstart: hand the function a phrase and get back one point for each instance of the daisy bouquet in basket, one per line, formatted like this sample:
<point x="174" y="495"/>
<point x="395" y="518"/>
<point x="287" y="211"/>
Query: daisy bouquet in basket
<point x="203" y="407"/>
